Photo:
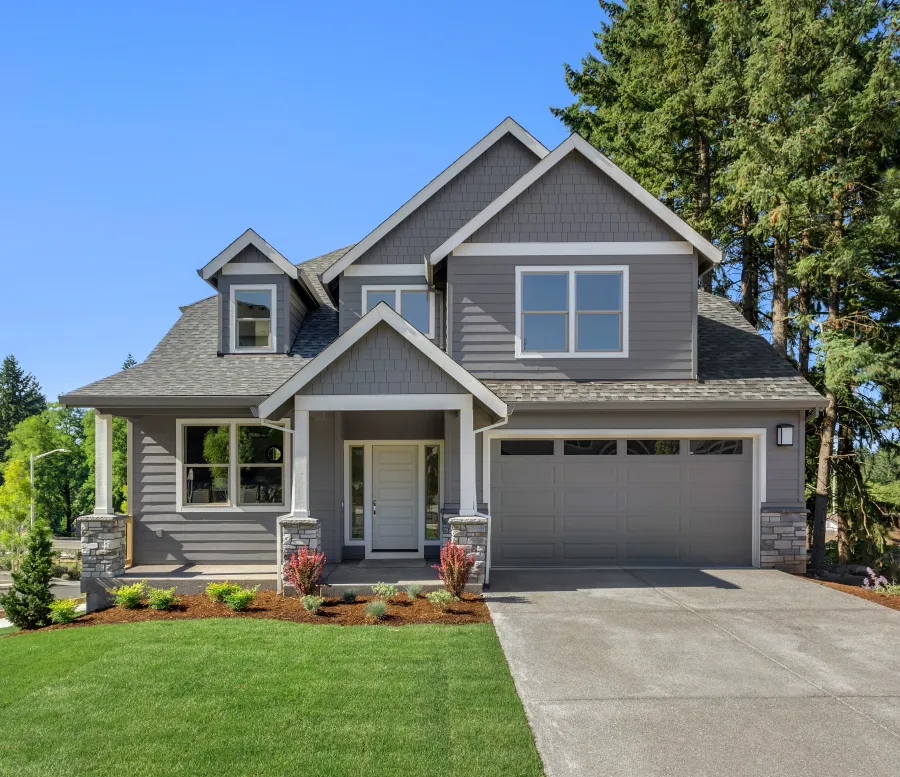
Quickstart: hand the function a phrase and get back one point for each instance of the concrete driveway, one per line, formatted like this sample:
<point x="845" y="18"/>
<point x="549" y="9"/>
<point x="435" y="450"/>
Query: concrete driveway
<point x="687" y="673"/>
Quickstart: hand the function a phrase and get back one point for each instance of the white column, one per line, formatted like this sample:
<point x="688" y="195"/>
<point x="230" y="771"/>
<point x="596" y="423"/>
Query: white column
<point x="300" y="486"/>
<point x="468" y="504"/>
<point x="103" y="501"/>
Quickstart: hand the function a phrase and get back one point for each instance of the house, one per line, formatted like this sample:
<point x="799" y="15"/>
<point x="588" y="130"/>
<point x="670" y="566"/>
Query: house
<point x="518" y="357"/>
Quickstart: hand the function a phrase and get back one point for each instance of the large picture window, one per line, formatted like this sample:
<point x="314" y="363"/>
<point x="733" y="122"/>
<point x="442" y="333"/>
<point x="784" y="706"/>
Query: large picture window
<point x="230" y="464"/>
<point x="253" y="318"/>
<point x="571" y="312"/>
<point x="415" y="303"/>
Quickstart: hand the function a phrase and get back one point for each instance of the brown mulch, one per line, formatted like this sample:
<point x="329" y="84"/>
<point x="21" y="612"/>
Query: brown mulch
<point x="268" y="604"/>
<point x="885" y="600"/>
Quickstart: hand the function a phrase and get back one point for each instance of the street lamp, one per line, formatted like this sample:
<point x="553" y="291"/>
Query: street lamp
<point x="31" y="476"/>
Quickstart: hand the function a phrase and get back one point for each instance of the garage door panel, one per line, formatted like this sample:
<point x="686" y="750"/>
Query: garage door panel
<point x="691" y="510"/>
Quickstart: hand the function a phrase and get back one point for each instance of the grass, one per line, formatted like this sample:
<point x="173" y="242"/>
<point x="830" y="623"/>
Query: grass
<point x="245" y="697"/>
<point x="8" y="630"/>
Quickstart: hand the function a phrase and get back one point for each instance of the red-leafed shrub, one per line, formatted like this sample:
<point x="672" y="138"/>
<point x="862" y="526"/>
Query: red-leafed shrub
<point x="303" y="570"/>
<point x="455" y="567"/>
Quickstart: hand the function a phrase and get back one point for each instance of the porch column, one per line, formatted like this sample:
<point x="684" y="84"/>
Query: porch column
<point x="468" y="503"/>
<point x="300" y="475"/>
<point x="103" y="478"/>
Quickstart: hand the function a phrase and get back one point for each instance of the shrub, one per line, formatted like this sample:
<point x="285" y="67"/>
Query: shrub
<point x="413" y="590"/>
<point x="376" y="609"/>
<point x="219" y="591"/>
<point x="303" y="570"/>
<point x="440" y="599"/>
<point x="349" y="595"/>
<point x="312" y="603"/>
<point x="242" y="598"/>
<point x="130" y="596"/>
<point x="162" y="598"/>
<point x="454" y="568"/>
<point x="63" y="610"/>
<point x="384" y="591"/>
<point x="27" y="603"/>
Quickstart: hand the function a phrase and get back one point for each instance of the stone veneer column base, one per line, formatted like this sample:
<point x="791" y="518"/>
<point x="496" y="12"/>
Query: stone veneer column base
<point x="102" y="554"/>
<point x="782" y="540"/>
<point x="471" y="533"/>
<point x="298" y="533"/>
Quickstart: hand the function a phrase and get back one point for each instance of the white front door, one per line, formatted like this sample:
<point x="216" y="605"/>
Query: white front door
<point x="395" y="498"/>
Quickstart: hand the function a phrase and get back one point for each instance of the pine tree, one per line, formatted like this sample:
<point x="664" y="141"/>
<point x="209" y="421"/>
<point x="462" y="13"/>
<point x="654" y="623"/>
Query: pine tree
<point x="20" y="397"/>
<point x="129" y="362"/>
<point x="27" y="603"/>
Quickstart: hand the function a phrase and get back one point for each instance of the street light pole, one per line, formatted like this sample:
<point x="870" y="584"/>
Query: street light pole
<point x="31" y="475"/>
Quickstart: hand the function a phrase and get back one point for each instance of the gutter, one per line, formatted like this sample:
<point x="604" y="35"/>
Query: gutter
<point x="487" y="550"/>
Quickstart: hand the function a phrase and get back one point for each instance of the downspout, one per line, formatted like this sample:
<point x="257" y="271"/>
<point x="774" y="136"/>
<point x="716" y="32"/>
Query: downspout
<point x="487" y="553"/>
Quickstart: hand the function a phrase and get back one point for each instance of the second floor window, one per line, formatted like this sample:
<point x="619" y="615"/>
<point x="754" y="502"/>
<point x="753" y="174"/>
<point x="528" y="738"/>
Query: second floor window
<point x="414" y="303"/>
<point x="253" y="318"/>
<point x="571" y="312"/>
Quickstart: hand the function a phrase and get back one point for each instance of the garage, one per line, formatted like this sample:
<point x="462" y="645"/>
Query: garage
<point x="635" y="501"/>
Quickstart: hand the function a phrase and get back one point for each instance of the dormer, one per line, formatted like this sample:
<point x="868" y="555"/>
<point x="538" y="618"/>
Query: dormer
<point x="263" y="297"/>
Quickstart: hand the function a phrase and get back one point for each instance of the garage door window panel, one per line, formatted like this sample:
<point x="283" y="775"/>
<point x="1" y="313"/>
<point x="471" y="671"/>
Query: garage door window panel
<point x="526" y="447"/>
<point x="653" y="447"/>
<point x="716" y="447"/>
<point x="590" y="447"/>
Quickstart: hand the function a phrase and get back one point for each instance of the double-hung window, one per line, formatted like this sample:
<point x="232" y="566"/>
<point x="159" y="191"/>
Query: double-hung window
<point x="230" y="464"/>
<point x="415" y="303"/>
<point x="577" y="312"/>
<point x="253" y="318"/>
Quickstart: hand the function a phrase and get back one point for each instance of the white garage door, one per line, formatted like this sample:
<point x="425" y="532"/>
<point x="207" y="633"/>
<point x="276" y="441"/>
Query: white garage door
<point x="639" y="502"/>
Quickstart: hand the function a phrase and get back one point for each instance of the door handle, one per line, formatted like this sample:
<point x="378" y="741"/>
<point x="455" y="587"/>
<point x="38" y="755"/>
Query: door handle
<point x="374" y="507"/>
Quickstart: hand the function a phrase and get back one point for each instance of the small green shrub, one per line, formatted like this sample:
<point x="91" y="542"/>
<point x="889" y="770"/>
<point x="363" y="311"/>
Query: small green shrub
<point x="130" y="596"/>
<point x="413" y="590"/>
<point x="349" y="595"/>
<point x="242" y="598"/>
<point x="312" y="603"/>
<point x="218" y="592"/>
<point x="162" y="598"/>
<point x="376" y="609"/>
<point x="440" y="599"/>
<point x="384" y="591"/>
<point x="63" y="610"/>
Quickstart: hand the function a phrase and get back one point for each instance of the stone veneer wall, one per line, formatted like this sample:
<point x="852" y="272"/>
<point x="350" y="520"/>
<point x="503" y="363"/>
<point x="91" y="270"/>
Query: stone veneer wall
<point x="298" y="533"/>
<point x="782" y="540"/>
<point x="102" y="545"/>
<point x="471" y="533"/>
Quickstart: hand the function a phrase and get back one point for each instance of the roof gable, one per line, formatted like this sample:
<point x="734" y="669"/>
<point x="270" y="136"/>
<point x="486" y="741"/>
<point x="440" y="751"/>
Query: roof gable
<point x="575" y="143"/>
<point x="237" y="252"/>
<point x="506" y="127"/>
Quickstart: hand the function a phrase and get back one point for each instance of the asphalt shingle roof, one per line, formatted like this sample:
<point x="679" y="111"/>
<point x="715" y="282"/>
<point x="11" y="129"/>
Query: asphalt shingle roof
<point x="734" y="363"/>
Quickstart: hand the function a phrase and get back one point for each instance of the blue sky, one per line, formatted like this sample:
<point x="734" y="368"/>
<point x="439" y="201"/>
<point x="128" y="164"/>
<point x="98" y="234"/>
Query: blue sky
<point x="140" y="139"/>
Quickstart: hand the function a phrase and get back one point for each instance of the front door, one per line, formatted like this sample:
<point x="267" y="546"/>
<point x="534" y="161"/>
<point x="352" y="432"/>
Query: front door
<point x="395" y="498"/>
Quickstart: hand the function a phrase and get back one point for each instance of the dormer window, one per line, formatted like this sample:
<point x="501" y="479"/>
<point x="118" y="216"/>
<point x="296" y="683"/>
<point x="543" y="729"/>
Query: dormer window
<point x="253" y="318"/>
<point x="414" y="302"/>
<point x="571" y="312"/>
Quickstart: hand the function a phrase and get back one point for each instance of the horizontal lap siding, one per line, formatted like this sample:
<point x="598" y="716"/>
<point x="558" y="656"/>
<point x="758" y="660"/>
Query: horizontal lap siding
<point x="661" y="319"/>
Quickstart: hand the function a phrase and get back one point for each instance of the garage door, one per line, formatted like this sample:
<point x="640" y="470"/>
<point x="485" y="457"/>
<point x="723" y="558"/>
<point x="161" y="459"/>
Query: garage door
<point x="636" y="501"/>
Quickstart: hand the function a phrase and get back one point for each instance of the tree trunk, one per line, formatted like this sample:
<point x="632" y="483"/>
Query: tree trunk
<point x="780" y="296"/>
<point x="803" y="300"/>
<point x="749" y="270"/>
<point x="703" y="174"/>
<point x="844" y="452"/>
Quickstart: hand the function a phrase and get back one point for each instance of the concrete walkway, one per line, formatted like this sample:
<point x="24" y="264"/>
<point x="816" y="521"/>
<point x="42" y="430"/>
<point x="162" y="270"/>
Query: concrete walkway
<point x="689" y="673"/>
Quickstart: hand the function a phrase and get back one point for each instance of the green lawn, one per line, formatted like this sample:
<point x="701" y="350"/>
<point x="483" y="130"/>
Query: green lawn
<point x="256" y="697"/>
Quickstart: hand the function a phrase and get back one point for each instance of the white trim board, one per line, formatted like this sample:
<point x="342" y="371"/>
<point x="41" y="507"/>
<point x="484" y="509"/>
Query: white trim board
<point x="250" y="237"/>
<point x="252" y="268"/>
<point x="381" y="313"/>
<point x="383" y="401"/>
<point x="507" y="127"/>
<point x="610" y="248"/>
<point x="579" y="144"/>
<point x="757" y="434"/>
<point x="383" y="270"/>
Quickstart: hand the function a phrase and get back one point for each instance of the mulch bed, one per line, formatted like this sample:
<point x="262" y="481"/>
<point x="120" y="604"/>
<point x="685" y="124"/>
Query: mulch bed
<point x="885" y="600"/>
<point x="268" y="604"/>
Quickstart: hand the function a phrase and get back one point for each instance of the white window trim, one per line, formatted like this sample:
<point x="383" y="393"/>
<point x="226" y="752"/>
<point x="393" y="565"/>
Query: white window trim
<point x="397" y="288"/>
<point x="366" y="542"/>
<point x="570" y="352"/>
<point x="270" y="287"/>
<point x="232" y="506"/>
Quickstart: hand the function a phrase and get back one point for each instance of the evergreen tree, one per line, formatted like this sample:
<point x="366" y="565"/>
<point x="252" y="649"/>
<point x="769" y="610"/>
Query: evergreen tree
<point x="130" y="361"/>
<point x="20" y="397"/>
<point x="27" y="603"/>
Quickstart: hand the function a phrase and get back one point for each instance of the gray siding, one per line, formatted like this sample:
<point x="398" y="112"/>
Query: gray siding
<point x="662" y="313"/>
<point x="282" y="313"/>
<point x="383" y="362"/>
<point x="296" y="314"/>
<point x="453" y="205"/>
<point x="574" y="201"/>
<point x="351" y="301"/>
<point x="393" y="425"/>
<point x="164" y="535"/>
<point x="250" y="255"/>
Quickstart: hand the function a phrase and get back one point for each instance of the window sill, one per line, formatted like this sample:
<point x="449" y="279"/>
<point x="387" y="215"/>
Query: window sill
<point x="267" y="508"/>
<point x="570" y="355"/>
